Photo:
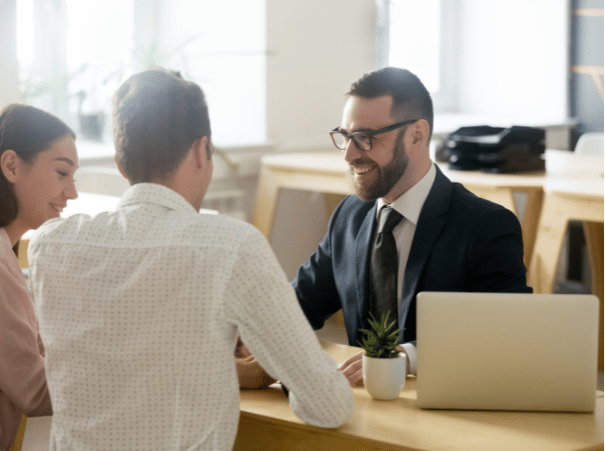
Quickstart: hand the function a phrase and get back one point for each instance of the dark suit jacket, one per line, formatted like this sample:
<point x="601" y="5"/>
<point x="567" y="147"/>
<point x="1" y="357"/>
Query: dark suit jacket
<point x="462" y="243"/>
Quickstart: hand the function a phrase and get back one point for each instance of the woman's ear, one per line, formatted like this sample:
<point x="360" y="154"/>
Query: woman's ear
<point x="9" y="162"/>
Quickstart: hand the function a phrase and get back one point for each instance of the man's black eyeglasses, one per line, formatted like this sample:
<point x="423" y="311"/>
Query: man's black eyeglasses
<point x="363" y="140"/>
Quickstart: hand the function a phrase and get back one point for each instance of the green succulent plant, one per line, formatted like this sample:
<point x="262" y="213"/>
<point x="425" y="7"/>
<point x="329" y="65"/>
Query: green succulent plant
<point x="382" y="339"/>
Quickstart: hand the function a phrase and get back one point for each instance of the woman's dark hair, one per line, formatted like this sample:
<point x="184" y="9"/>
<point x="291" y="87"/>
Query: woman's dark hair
<point x="28" y="131"/>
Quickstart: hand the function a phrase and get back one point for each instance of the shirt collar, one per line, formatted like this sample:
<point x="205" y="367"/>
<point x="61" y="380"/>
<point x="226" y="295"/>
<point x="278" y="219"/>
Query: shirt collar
<point x="154" y="193"/>
<point x="410" y="203"/>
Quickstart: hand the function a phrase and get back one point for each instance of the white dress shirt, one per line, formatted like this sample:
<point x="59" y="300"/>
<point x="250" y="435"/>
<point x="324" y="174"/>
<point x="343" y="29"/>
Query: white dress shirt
<point x="140" y="310"/>
<point x="409" y="204"/>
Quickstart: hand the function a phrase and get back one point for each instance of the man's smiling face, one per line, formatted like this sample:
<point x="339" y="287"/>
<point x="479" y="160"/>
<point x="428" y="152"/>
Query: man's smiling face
<point x="377" y="171"/>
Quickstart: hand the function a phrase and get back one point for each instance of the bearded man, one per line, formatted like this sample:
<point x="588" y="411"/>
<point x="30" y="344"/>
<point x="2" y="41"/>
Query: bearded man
<point x="437" y="236"/>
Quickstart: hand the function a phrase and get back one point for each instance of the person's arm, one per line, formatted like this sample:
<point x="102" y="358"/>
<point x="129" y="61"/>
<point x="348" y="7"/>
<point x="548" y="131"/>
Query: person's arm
<point x="496" y="255"/>
<point x="22" y="377"/>
<point x="262" y="305"/>
<point x="315" y="286"/>
<point x="410" y="352"/>
<point x="249" y="372"/>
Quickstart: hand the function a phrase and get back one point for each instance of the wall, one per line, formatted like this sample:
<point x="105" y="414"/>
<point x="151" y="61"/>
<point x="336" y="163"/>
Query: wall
<point x="525" y="47"/>
<point x="316" y="49"/>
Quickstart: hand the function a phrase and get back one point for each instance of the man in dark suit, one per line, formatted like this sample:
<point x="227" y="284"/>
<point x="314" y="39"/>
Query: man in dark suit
<point x="448" y="238"/>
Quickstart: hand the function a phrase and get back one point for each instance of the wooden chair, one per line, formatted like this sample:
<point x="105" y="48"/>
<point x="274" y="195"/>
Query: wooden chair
<point x="20" y="434"/>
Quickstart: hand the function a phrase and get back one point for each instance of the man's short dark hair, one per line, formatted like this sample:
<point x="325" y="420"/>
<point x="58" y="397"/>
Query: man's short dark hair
<point x="411" y="99"/>
<point x="157" y="116"/>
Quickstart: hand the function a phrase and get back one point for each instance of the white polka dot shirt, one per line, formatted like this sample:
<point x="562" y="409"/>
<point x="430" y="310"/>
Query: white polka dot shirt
<point x="139" y="311"/>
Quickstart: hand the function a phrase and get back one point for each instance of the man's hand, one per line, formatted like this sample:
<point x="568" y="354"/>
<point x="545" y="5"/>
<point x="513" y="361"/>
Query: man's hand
<point x="352" y="368"/>
<point x="249" y="372"/>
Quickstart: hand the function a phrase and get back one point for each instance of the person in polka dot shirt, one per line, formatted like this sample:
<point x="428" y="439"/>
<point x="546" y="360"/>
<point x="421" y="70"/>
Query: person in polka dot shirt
<point x="141" y="308"/>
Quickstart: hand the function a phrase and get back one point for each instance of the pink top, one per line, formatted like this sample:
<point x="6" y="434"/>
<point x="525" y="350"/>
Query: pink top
<point x="23" y="387"/>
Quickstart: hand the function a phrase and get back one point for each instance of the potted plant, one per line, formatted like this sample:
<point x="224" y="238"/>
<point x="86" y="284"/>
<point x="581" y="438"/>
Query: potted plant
<point x="384" y="367"/>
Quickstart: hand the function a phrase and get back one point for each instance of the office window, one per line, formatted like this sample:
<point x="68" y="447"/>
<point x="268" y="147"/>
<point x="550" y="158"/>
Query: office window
<point x="489" y="58"/>
<point x="423" y="19"/>
<point x="73" y="55"/>
<point x="421" y="37"/>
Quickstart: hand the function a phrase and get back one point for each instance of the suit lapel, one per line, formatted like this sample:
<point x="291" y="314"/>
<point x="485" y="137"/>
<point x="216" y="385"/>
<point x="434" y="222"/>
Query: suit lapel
<point x="364" y="239"/>
<point x="433" y="218"/>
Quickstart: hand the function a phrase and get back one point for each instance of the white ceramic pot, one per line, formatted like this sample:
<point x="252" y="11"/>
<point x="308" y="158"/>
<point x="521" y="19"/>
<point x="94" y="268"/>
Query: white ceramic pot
<point x="384" y="378"/>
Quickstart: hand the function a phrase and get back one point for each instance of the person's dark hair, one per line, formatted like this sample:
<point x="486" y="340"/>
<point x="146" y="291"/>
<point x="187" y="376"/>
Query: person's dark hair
<point x="411" y="99"/>
<point x="28" y="131"/>
<point x="157" y="116"/>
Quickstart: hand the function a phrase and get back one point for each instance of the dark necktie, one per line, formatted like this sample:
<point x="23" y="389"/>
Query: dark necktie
<point x="383" y="266"/>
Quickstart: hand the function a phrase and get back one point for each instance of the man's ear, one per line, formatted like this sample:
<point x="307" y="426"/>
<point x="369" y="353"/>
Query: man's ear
<point x="120" y="168"/>
<point x="200" y="153"/>
<point x="420" y="132"/>
<point x="9" y="162"/>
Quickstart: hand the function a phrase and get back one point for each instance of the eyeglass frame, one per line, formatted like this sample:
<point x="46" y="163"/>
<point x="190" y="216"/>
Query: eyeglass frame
<point x="369" y="133"/>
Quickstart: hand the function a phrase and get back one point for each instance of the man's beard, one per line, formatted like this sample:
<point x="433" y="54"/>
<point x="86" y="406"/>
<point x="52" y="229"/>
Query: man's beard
<point x="388" y="175"/>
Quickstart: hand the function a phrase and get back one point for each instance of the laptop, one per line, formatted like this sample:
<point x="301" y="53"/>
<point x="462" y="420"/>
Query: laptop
<point x="504" y="351"/>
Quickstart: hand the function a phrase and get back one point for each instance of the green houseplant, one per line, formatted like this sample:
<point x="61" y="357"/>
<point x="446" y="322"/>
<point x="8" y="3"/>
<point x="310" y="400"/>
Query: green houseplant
<point x="382" y="339"/>
<point x="384" y="367"/>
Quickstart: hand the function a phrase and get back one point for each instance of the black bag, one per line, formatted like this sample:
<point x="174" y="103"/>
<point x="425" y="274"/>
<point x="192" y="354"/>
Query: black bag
<point x="494" y="149"/>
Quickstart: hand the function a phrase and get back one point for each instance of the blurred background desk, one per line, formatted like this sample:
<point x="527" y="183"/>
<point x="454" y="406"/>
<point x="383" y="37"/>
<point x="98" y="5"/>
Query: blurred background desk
<point x="328" y="173"/>
<point x="268" y="423"/>
<point x="564" y="201"/>
<point x="325" y="173"/>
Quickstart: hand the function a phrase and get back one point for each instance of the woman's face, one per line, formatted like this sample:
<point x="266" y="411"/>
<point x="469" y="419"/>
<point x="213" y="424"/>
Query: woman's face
<point x="44" y="186"/>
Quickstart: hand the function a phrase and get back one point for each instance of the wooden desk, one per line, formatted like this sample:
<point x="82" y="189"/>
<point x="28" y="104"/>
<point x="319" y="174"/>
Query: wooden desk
<point x="566" y="200"/>
<point x="267" y="423"/>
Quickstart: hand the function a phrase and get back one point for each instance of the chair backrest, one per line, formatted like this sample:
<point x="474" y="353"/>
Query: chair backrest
<point x="37" y="435"/>
<point x="101" y="180"/>
<point x="590" y="144"/>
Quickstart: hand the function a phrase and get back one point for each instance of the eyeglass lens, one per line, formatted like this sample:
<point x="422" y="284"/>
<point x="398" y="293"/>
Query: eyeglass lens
<point x="361" y="140"/>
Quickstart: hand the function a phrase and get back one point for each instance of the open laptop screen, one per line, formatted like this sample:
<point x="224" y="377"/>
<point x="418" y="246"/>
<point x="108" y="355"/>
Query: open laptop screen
<point x="503" y="351"/>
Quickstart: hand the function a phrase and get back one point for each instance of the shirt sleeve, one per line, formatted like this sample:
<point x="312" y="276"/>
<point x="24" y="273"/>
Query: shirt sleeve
<point x="410" y="350"/>
<point x="262" y="305"/>
<point x="22" y="377"/>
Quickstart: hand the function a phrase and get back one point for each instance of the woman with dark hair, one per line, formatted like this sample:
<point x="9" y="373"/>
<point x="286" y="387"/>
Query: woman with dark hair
<point x="37" y="161"/>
